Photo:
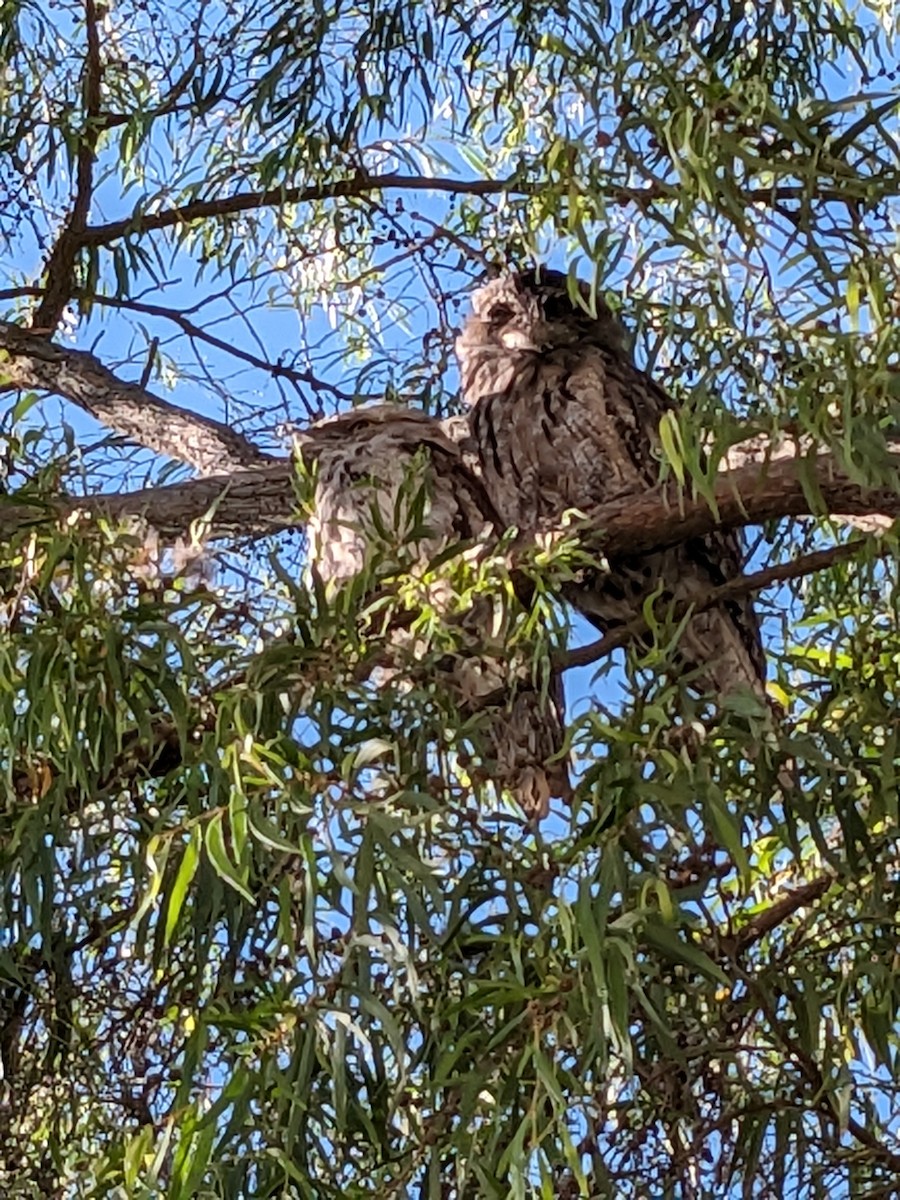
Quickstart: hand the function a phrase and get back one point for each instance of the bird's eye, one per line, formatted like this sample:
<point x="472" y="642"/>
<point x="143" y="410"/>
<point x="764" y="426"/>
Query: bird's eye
<point x="558" y="307"/>
<point x="500" y="314"/>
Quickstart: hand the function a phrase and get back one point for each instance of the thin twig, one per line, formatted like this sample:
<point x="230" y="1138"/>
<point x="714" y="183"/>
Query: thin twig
<point x="819" y="560"/>
<point x="778" y="913"/>
<point x="148" y="365"/>
<point x="295" y="375"/>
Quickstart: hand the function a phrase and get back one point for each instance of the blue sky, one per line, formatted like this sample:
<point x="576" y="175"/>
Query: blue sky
<point x="261" y="317"/>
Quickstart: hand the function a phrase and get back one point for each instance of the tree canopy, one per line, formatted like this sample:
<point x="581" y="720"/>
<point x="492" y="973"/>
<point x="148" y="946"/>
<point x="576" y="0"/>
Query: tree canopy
<point x="266" y="927"/>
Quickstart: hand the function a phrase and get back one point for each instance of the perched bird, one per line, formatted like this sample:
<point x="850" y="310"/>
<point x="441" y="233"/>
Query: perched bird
<point x="562" y="419"/>
<point x="391" y="486"/>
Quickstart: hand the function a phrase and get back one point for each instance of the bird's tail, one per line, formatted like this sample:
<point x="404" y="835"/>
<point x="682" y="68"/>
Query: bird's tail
<point x="713" y="650"/>
<point x="522" y="739"/>
<point x="528" y="740"/>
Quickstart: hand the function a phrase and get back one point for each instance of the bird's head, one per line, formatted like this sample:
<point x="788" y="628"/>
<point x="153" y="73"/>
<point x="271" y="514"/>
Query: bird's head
<point x="388" y="429"/>
<point x="533" y="311"/>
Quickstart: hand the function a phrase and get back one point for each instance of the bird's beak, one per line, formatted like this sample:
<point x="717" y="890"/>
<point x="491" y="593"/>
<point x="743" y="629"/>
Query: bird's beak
<point x="517" y="339"/>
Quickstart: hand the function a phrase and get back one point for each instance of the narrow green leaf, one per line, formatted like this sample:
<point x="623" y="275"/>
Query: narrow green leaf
<point x="672" y="444"/>
<point x="666" y="941"/>
<point x="218" y="855"/>
<point x="186" y="870"/>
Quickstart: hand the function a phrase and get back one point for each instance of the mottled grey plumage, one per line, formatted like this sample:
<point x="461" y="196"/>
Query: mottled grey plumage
<point x="563" y="419"/>
<point x="391" y="483"/>
<point x="368" y="480"/>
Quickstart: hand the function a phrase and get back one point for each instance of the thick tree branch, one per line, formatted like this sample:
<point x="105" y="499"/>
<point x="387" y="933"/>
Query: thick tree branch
<point x="761" y="490"/>
<point x="209" y="446"/>
<point x="260" y="501"/>
<point x="250" y="503"/>
<point x="359" y="185"/>
<point x="363" y="184"/>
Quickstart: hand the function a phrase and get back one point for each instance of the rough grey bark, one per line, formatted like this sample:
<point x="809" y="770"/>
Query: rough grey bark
<point x="246" y="492"/>
<point x="260" y="501"/>
<point x="209" y="446"/>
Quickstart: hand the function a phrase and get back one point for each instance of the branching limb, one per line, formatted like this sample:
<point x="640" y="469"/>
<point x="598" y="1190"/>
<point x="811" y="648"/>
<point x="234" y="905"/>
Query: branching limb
<point x="797" y="568"/>
<point x="60" y="271"/>
<point x="207" y="445"/>
<point x="295" y="375"/>
<point x="364" y="184"/>
<point x="778" y="913"/>
<point x="260" y="501"/>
